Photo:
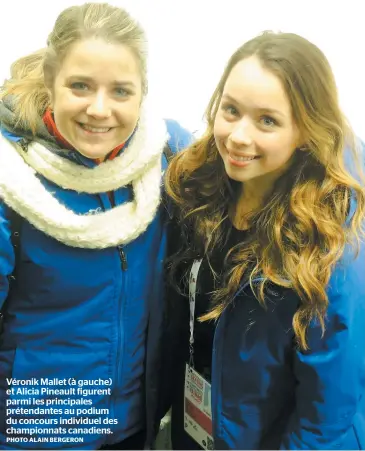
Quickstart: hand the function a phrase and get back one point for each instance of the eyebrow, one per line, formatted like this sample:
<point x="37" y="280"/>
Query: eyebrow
<point x="258" y="108"/>
<point x="91" y="80"/>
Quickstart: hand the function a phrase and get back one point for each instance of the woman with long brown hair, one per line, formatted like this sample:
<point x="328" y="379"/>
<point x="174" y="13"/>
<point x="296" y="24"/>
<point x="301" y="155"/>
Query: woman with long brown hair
<point x="267" y="243"/>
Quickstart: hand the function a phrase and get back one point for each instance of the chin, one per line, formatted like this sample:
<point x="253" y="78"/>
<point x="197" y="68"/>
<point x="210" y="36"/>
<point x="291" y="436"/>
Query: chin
<point x="92" y="154"/>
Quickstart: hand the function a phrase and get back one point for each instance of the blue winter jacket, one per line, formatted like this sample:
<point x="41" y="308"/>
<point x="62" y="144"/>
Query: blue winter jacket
<point x="292" y="399"/>
<point x="76" y="313"/>
<point x="267" y="394"/>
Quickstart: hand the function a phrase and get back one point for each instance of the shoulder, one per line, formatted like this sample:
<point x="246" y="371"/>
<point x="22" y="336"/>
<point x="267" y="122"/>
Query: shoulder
<point x="346" y="289"/>
<point x="179" y="137"/>
<point x="349" y="270"/>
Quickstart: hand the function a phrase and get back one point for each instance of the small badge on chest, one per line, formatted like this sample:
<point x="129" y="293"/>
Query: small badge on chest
<point x="198" y="408"/>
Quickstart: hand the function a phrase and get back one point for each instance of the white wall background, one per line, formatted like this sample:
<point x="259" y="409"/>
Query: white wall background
<point x="191" y="40"/>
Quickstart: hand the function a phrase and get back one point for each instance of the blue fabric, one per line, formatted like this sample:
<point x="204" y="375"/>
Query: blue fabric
<point x="76" y="313"/>
<point x="269" y="395"/>
<point x="266" y="393"/>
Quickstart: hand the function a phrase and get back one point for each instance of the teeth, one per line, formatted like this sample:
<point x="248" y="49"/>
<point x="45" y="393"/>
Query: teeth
<point x="94" y="129"/>
<point x="234" y="157"/>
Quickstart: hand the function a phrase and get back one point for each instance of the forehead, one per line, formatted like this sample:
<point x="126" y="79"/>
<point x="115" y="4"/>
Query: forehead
<point x="253" y="86"/>
<point x="97" y="59"/>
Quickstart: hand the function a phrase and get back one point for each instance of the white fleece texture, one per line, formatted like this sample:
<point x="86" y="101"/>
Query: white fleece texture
<point x="139" y="164"/>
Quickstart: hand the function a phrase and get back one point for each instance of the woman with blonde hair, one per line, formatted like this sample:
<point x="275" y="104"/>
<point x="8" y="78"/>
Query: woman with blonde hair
<point x="269" y="352"/>
<point x="82" y="238"/>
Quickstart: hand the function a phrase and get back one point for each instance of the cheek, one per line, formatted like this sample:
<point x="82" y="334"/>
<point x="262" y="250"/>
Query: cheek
<point x="67" y="106"/>
<point x="220" y="131"/>
<point x="129" y="112"/>
<point x="278" y="149"/>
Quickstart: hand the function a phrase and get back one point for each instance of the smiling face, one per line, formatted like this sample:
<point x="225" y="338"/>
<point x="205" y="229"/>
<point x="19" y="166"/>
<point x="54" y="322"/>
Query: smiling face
<point x="96" y="96"/>
<point x="254" y="130"/>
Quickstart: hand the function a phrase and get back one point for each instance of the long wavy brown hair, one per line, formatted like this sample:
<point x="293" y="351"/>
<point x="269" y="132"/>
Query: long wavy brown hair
<point x="315" y="208"/>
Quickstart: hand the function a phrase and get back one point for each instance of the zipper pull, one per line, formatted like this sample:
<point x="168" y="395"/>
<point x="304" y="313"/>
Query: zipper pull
<point x="24" y="144"/>
<point x="123" y="258"/>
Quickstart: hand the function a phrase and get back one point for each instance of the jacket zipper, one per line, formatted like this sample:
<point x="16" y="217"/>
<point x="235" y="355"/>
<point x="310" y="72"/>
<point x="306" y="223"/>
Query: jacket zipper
<point x="123" y="258"/>
<point x="124" y="267"/>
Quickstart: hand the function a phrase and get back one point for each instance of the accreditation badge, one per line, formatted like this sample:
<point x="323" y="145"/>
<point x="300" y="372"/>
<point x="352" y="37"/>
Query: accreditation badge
<point x="198" y="408"/>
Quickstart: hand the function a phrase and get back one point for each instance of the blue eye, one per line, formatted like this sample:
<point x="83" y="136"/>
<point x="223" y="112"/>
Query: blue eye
<point x="268" y="121"/>
<point x="79" y="86"/>
<point x="121" y="92"/>
<point x="230" y="109"/>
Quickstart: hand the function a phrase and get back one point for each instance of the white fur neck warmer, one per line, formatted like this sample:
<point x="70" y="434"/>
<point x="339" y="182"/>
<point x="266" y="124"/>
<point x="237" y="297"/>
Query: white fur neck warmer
<point x="139" y="164"/>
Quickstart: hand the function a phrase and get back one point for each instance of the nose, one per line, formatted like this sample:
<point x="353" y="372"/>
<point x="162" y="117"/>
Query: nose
<point x="241" y="133"/>
<point x="99" y="106"/>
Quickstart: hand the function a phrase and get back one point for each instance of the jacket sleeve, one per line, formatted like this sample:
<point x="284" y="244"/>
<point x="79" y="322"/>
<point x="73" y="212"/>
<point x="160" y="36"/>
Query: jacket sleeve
<point x="175" y="321"/>
<point x="7" y="256"/>
<point x="331" y="375"/>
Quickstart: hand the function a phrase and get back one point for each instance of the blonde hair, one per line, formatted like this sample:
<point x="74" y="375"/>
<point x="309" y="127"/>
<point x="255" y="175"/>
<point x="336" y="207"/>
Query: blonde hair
<point x="304" y="224"/>
<point x="33" y="75"/>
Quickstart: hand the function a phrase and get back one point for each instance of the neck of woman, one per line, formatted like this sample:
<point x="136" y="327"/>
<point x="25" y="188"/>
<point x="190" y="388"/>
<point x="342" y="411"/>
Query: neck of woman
<point x="249" y="202"/>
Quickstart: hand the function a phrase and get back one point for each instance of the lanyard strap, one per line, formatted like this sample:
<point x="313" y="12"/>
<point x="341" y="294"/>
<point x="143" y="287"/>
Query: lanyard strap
<point x="192" y="295"/>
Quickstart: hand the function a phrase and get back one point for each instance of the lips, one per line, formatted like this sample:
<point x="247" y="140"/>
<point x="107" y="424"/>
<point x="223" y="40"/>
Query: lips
<point x="241" y="158"/>
<point x="94" y="129"/>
